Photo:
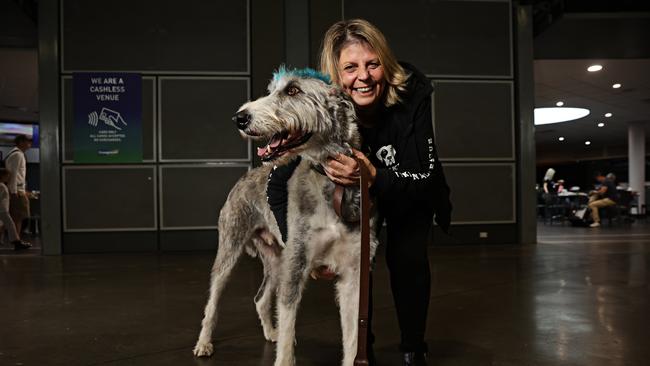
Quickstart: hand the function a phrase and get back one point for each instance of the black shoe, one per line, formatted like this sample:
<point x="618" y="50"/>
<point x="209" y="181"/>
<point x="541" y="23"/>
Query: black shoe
<point x="20" y="245"/>
<point x="415" y="359"/>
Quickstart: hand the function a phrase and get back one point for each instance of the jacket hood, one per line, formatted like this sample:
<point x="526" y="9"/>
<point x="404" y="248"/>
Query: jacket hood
<point x="418" y="86"/>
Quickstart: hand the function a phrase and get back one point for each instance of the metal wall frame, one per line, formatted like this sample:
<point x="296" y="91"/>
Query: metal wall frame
<point x="246" y="72"/>
<point x="513" y="220"/>
<point x="188" y="166"/>
<point x="512" y="156"/>
<point x="100" y="167"/>
<point x="161" y="159"/>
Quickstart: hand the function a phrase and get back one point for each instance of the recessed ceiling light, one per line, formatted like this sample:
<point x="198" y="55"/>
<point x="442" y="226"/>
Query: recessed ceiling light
<point x="587" y="142"/>
<point x="561" y="138"/>
<point x="545" y="116"/>
<point x="594" y="68"/>
<point x="559" y="104"/>
<point x="601" y="124"/>
<point x="616" y="86"/>
<point x="608" y="115"/>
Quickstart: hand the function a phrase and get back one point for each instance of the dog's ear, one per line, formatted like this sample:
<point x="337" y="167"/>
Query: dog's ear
<point x="344" y="115"/>
<point x="340" y="105"/>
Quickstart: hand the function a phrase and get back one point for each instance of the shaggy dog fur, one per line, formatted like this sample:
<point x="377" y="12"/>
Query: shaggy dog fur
<point x="302" y="115"/>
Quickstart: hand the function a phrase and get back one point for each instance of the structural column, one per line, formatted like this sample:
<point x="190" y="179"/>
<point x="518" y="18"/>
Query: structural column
<point x="636" y="159"/>
<point x="526" y="197"/>
<point x="50" y="166"/>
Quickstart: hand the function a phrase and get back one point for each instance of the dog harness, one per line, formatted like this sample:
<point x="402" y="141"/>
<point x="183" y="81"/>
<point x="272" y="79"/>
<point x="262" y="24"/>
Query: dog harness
<point x="277" y="194"/>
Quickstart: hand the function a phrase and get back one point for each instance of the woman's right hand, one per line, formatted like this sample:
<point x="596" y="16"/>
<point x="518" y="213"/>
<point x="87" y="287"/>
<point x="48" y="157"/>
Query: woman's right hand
<point x="342" y="169"/>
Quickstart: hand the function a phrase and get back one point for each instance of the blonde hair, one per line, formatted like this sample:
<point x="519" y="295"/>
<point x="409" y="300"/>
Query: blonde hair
<point x="550" y="173"/>
<point x="346" y="32"/>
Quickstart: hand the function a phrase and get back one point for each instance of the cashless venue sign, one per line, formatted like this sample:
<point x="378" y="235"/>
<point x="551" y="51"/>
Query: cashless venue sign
<point x="107" y="117"/>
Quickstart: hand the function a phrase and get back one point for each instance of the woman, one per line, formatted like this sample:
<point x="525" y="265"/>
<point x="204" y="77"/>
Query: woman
<point x="549" y="185"/>
<point x="393" y="103"/>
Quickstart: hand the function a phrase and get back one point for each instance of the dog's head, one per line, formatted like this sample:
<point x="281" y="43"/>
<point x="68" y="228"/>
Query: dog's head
<point x="303" y="114"/>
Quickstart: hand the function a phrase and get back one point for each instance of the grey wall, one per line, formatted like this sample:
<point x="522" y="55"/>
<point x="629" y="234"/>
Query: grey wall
<point x="201" y="60"/>
<point x="195" y="59"/>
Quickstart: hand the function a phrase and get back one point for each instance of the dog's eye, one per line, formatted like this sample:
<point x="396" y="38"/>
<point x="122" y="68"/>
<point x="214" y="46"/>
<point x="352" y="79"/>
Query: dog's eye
<point x="293" y="90"/>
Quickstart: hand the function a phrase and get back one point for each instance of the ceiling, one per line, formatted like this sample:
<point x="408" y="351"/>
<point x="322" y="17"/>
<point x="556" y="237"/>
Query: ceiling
<point x="571" y="35"/>
<point x="570" y="82"/>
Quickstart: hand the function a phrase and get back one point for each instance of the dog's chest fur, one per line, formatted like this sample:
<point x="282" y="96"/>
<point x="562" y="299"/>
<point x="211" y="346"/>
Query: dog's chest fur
<point x="313" y="223"/>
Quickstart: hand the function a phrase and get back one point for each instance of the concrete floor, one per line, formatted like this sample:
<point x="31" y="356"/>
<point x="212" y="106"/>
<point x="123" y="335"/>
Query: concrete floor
<point x="580" y="297"/>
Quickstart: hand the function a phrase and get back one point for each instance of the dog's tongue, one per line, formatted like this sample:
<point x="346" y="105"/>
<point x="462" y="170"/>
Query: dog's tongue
<point x="275" y="141"/>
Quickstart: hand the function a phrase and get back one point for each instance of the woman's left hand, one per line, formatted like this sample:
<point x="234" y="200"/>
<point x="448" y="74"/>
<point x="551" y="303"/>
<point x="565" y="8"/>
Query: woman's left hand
<point x="344" y="170"/>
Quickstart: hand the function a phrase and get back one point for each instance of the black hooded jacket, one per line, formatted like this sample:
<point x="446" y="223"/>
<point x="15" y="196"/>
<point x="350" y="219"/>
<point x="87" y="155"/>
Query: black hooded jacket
<point x="410" y="181"/>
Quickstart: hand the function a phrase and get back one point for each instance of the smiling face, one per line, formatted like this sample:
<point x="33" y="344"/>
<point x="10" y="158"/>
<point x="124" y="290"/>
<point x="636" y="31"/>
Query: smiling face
<point x="361" y="74"/>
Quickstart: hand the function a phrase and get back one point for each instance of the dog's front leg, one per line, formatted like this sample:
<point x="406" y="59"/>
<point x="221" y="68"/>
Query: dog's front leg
<point x="264" y="297"/>
<point x="347" y="288"/>
<point x="292" y="282"/>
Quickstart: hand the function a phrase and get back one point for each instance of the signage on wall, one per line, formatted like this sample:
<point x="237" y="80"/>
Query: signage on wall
<point x="107" y="118"/>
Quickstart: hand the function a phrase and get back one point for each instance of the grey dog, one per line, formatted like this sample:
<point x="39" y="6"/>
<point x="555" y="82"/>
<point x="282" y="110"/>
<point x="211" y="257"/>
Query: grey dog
<point x="302" y="115"/>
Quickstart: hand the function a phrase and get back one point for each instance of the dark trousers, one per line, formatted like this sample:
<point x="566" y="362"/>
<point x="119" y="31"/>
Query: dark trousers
<point x="410" y="279"/>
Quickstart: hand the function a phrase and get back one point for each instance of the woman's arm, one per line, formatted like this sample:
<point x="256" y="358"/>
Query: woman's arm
<point x="420" y="181"/>
<point x="405" y="188"/>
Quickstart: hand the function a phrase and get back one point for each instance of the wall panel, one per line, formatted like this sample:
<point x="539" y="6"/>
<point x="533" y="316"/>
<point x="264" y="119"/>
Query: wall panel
<point x="109" y="198"/>
<point x="482" y="193"/>
<point x="156" y="36"/>
<point x="192" y="195"/>
<point x="195" y="118"/>
<point x="444" y="38"/>
<point x="474" y="120"/>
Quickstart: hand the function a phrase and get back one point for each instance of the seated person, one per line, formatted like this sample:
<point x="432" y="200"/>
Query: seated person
<point x="604" y="196"/>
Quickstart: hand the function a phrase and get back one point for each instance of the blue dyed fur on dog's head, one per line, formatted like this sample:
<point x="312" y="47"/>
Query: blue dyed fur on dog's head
<point x="304" y="73"/>
<point x="302" y="114"/>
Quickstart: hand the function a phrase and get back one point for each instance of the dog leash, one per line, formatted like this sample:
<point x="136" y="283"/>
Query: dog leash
<point x="337" y="200"/>
<point x="361" y="358"/>
<point x="364" y="274"/>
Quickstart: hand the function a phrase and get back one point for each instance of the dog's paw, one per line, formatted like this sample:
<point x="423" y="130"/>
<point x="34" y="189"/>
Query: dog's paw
<point x="285" y="362"/>
<point x="203" y="349"/>
<point x="271" y="335"/>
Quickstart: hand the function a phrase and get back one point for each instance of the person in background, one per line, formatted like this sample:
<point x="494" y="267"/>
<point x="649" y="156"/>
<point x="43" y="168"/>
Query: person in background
<point x="6" y="219"/>
<point x="549" y="185"/>
<point x="559" y="186"/>
<point x="16" y="163"/>
<point x="604" y="196"/>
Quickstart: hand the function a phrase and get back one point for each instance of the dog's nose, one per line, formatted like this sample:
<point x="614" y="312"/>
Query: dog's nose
<point x="242" y="119"/>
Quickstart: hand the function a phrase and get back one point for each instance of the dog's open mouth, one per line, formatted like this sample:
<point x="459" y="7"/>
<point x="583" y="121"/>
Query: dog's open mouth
<point x="281" y="143"/>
